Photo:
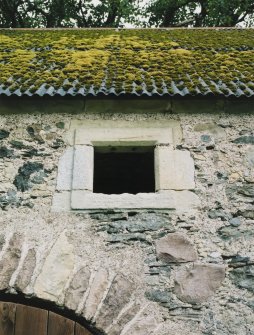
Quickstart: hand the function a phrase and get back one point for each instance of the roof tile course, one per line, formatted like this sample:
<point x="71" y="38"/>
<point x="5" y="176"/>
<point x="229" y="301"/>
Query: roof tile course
<point x="136" y="62"/>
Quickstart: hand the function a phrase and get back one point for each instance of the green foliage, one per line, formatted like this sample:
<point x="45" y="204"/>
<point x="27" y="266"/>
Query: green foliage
<point x="115" y="13"/>
<point x="65" y="13"/>
<point x="198" y="13"/>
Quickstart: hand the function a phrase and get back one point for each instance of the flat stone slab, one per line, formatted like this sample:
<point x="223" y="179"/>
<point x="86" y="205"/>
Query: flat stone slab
<point x="25" y="275"/>
<point x="181" y="201"/>
<point x="56" y="270"/>
<point x="96" y="293"/>
<point x="196" y="284"/>
<point x="78" y="287"/>
<point x="174" y="169"/>
<point x="10" y="260"/>
<point x="64" y="176"/>
<point x="117" y="297"/>
<point x="175" y="248"/>
<point x="121" y="132"/>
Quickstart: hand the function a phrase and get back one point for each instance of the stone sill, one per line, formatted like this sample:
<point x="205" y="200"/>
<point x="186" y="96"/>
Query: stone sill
<point x="181" y="201"/>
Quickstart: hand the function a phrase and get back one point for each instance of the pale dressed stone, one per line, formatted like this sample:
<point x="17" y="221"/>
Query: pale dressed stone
<point x="10" y="260"/>
<point x="61" y="202"/>
<point x="64" y="176"/>
<point x="56" y="270"/>
<point x="118" y="296"/>
<point x="123" y="136"/>
<point x="121" y="132"/>
<point x="83" y="168"/>
<point x="196" y="284"/>
<point x="77" y="288"/>
<point x="125" y="317"/>
<point x="175" y="248"/>
<point x="174" y="169"/>
<point x="182" y="201"/>
<point x="96" y="293"/>
<point x="25" y="274"/>
<point x="185" y="201"/>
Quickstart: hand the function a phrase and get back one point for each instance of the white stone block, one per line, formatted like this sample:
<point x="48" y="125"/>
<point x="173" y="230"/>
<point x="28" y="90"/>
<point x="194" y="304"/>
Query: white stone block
<point x="174" y="169"/>
<point x="121" y="136"/>
<point x="61" y="202"/>
<point x="147" y="132"/>
<point x="64" y="175"/>
<point x="56" y="270"/>
<point x="182" y="201"/>
<point x="83" y="168"/>
<point x="185" y="200"/>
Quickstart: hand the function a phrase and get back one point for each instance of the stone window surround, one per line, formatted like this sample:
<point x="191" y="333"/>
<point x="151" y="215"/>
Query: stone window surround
<point x="174" y="169"/>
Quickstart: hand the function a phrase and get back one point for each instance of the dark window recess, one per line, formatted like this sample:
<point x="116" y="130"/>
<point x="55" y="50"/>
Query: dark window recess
<point x="124" y="170"/>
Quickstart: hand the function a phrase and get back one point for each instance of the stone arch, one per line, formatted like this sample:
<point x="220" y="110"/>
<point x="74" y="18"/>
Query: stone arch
<point x="104" y="301"/>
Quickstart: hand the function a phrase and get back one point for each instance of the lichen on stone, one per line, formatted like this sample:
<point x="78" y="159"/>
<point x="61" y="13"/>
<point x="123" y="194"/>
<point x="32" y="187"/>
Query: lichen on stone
<point x="202" y="60"/>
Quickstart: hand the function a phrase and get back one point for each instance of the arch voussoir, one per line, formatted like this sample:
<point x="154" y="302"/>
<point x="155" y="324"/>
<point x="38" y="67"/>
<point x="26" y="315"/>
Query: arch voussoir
<point x="102" y="297"/>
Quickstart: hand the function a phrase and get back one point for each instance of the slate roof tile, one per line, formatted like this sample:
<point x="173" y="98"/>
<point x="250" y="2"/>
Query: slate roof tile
<point x="139" y="62"/>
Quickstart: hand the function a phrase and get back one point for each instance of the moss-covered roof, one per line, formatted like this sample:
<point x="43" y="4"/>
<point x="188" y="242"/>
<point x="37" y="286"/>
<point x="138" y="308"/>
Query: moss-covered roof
<point x="136" y="61"/>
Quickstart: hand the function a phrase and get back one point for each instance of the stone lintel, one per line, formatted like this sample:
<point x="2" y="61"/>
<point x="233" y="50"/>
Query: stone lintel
<point x="122" y="132"/>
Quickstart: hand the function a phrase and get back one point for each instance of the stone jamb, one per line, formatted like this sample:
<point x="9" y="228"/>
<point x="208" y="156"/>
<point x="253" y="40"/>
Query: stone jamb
<point x="83" y="165"/>
<point x="168" y="163"/>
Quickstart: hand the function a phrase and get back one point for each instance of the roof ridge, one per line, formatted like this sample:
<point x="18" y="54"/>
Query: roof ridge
<point x="134" y="28"/>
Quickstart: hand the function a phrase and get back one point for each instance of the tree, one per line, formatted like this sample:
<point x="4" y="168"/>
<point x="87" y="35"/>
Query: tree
<point x="107" y="13"/>
<point x="11" y="13"/>
<point x="65" y="13"/>
<point x="198" y="13"/>
<point x="114" y="13"/>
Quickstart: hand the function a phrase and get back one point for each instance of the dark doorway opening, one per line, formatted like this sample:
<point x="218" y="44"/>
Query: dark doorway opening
<point x="120" y="170"/>
<point x="17" y="319"/>
<point x="13" y="306"/>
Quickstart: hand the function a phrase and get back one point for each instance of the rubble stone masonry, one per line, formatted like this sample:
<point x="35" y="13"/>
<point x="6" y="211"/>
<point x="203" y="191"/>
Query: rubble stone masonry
<point x="135" y="272"/>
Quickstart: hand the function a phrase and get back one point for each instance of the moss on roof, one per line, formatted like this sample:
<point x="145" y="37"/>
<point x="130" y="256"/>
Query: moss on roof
<point x="174" y="61"/>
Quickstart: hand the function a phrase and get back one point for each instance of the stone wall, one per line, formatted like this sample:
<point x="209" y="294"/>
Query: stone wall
<point x="133" y="272"/>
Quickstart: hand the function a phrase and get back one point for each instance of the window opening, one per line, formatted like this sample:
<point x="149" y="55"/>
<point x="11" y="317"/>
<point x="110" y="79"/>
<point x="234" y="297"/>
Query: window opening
<point x="120" y="170"/>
